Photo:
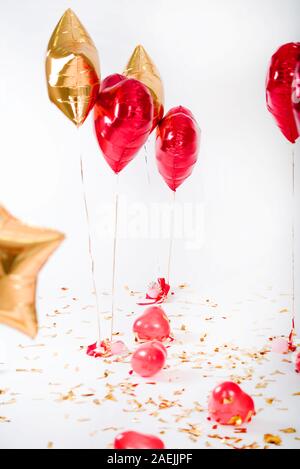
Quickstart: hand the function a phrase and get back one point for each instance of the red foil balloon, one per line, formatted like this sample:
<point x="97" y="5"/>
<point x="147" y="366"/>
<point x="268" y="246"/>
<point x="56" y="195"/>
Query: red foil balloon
<point x="153" y="324"/>
<point x="230" y="405"/>
<point x="112" y="80"/>
<point x="149" y="359"/>
<point x="123" y="119"/>
<point x="177" y="146"/>
<point x="297" y="363"/>
<point x="136" y="440"/>
<point x="279" y="88"/>
<point x="296" y="96"/>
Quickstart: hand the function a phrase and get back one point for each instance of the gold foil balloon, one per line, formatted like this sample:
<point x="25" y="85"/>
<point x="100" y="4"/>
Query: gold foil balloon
<point x="72" y="69"/>
<point x="141" y="67"/>
<point x="23" y="252"/>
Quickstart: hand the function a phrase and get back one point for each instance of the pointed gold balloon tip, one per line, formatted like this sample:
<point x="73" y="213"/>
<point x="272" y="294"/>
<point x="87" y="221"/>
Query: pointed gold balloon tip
<point x="23" y="252"/>
<point x="141" y="53"/>
<point x="72" y="68"/>
<point x="141" y="67"/>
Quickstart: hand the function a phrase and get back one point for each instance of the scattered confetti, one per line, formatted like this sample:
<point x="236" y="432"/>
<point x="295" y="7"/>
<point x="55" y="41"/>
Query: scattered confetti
<point x="272" y="439"/>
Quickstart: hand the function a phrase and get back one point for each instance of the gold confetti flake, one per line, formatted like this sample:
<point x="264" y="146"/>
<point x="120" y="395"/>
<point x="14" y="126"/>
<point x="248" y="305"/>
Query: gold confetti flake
<point x="198" y="407"/>
<point x="288" y="430"/>
<point x="32" y="370"/>
<point x="136" y="406"/>
<point x="166" y="404"/>
<point x="4" y="420"/>
<point x="70" y="396"/>
<point x="178" y="392"/>
<point x="240" y="430"/>
<point x="192" y="430"/>
<point x="270" y="400"/>
<point x="261" y="385"/>
<point x="110" y="397"/>
<point x="183" y="357"/>
<point x="272" y="439"/>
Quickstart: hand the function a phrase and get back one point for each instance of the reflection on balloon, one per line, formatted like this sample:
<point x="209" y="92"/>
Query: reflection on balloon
<point x="229" y="405"/>
<point x="153" y="324"/>
<point x="23" y="252"/>
<point x="279" y="88"/>
<point x="177" y="146"/>
<point x="149" y="359"/>
<point x="72" y="69"/>
<point x="136" y="440"/>
<point x="141" y="67"/>
<point x="123" y="119"/>
<point x="296" y="95"/>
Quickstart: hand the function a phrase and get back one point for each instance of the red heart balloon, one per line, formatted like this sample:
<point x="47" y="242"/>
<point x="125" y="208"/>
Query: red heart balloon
<point x="149" y="359"/>
<point x="296" y="95"/>
<point x="136" y="440"/>
<point x="123" y="119"/>
<point x="297" y="363"/>
<point x="153" y="324"/>
<point x="279" y="88"/>
<point x="230" y="405"/>
<point x="177" y="146"/>
<point x="111" y="80"/>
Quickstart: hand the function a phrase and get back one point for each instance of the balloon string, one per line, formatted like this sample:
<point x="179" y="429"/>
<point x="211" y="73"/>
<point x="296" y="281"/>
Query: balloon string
<point x="114" y="259"/>
<point x="87" y="215"/>
<point x="171" y="236"/>
<point x="146" y="161"/>
<point x="293" y="236"/>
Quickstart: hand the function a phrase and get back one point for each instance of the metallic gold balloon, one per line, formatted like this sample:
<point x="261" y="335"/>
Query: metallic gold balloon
<point x="23" y="252"/>
<point x="141" y="67"/>
<point x="72" y="69"/>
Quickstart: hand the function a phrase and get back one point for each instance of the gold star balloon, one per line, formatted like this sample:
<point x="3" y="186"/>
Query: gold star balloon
<point x="23" y="252"/>
<point x="72" y="69"/>
<point x="142" y="68"/>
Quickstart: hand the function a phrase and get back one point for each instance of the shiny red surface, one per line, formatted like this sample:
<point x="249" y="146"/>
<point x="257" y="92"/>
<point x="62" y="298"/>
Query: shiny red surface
<point x="297" y="363"/>
<point x="296" y="96"/>
<point x="123" y="119"/>
<point x="136" y="440"/>
<point x="279" y="88"/>
<point x="149" y="359"/>
<point x="153" y="324"/>
<point x="177" y="146"/>
<point x="228" y="402"/>
<point x="111" y="80"/>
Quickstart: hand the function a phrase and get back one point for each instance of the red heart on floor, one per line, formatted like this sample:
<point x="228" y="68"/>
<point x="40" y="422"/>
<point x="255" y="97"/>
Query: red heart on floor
<point x="230" y="405"/>
<point x="153" y="324"/>
<point x="136" y="440"/>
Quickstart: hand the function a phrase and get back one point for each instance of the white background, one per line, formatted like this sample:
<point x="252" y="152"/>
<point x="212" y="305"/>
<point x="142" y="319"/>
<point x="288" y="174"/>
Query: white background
<point x="213" y="57"/>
